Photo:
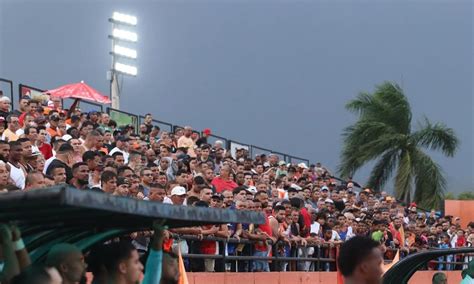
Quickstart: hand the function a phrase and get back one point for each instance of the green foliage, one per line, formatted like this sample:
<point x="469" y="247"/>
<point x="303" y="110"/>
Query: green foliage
<point x="450" y="196"/>
<point x="467" y="195"/>
<point x="383" y="134"/>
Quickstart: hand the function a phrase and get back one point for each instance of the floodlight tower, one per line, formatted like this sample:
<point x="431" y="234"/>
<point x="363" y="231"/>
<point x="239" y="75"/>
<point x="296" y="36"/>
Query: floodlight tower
<point x="124" y="54"/>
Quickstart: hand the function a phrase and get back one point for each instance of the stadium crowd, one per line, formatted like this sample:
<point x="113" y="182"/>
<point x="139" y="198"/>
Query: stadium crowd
<point x="309" y="212"/>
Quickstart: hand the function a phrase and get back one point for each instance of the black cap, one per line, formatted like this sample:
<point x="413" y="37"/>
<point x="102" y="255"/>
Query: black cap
<point x="292" y="189"/>
<point x="217" y="196"/>
<point x="121" y="181"/>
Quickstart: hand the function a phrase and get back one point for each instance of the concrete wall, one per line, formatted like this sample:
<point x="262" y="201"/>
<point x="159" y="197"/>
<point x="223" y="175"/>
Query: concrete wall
<point x="454" y="277"/>
<point x="460" y="208"/>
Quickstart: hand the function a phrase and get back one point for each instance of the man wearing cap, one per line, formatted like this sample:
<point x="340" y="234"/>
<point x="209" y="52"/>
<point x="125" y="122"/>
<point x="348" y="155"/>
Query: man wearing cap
<point x="122" y="147"/>
<point x="53" y="124"/>
<point x="178" y="195"/>
<point x="5" y="107"/>
<point x="324" y="192"/>
<point x="217" y="200"/>
<point x="203" y="139"/>
<point x="94" y="118"/>
<point x="282" y="169"/>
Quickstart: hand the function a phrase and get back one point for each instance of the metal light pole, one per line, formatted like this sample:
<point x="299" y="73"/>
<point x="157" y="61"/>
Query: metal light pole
<point x="123" y="53"/>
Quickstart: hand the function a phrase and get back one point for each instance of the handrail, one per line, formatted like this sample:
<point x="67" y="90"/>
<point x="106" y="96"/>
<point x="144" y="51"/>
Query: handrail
<point x="173" y="127"/>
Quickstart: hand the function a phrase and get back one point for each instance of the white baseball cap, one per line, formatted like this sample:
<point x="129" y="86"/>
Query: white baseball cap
<point x="178" y="190"/>
<point x="302" y="165"/>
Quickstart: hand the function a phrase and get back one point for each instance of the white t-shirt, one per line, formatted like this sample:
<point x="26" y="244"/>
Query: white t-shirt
<point x="18" y="176"/>
<point x="20" y="132"/>
<point x="35" y="149"/>
<point x="315" y="228"/>
<point x="48" y="162"/>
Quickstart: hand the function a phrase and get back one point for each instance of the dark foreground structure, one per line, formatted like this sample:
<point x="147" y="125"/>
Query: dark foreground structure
<point x="85" y="218"/>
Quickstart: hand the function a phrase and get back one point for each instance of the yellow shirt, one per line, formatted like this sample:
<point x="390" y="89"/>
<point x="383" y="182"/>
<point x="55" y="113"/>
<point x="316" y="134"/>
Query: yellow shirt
<point x="9" y="135"/>
<point x="186" y="142"/>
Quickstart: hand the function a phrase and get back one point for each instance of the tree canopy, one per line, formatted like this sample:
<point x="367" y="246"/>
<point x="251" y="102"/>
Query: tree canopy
<point x="383" y="133"/>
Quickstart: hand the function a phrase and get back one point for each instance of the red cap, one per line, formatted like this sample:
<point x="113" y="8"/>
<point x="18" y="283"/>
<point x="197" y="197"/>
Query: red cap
<point x="207" y="131"/>
<point x="413" y="204"/>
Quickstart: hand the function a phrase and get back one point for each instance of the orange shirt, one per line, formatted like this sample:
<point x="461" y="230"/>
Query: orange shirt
<point x="52" y="132"/>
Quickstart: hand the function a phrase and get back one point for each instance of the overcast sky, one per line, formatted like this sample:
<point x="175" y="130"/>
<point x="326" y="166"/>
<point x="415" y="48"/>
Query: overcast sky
<point x="270" y="73"/>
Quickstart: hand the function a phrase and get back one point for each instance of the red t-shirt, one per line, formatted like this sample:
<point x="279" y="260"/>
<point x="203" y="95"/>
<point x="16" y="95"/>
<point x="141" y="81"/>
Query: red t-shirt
<point x="46" y="150"/>
<point x="262" y="246"/>
<point x="220" y="185"/>
<point x="307" y="221"/>
<point x="208" y="247"/>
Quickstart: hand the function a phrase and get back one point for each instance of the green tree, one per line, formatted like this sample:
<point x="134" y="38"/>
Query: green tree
<point x="467" y="195"/>
<point x="383" y="133"/>
<point x="450" y="196"/>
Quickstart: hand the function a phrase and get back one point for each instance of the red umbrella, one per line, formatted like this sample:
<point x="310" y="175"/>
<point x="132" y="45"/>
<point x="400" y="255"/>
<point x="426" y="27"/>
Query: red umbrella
<point x="79" y="91"/>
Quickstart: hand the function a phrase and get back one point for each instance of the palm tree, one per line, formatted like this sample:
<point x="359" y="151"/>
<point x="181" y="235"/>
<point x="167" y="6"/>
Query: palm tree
<point x="383" y="133"/>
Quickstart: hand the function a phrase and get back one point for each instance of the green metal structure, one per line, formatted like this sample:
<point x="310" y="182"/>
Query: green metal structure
<point x="403" y="270"/>
<point x="85" y="218"/>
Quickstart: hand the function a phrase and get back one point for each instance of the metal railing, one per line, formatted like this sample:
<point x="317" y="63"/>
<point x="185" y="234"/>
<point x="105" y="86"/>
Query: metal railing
<point x="322" y="259"/>
<point x="317" y="261"/>
<point x="125" y="118"/>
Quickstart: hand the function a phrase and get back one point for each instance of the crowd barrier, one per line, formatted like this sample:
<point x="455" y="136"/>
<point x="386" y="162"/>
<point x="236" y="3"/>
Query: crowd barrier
<point x="323" y="257"/>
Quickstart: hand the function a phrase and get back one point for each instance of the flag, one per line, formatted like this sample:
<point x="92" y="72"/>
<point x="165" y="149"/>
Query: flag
<point x="183" y="278"/>
<point x="340" y="279"/>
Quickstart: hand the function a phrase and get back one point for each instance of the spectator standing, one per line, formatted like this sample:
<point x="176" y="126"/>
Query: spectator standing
<point x="17" y="170"/>
<point x="187" y="142"/>
<point x="223" y="181"/>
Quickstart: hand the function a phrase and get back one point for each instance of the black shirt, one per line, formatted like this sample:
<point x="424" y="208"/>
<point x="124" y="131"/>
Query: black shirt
<point x="5" y="114"/>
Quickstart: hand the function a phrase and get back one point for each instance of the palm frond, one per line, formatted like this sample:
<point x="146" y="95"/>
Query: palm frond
<point x="403" y="179"/>
<point x="361" y="104"/>
<point x="383" y="170"/>
<point x="436" y="136"/>
<point x="430" y="185"/>
<point x="387" y="104"/>
<point x="366" y="141"/>
<point x="383" y="131"/>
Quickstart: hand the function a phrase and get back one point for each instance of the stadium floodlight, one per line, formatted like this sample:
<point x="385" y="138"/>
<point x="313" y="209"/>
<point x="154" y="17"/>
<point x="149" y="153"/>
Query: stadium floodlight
<point x="124" y="35"/>
<point x="125" y="69"/>
<point x="124" y="19"/>
<point x="125" y="52"/>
